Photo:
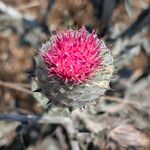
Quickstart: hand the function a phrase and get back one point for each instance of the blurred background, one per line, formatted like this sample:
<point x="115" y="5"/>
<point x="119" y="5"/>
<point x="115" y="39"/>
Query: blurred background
<point x="125" y="27"/>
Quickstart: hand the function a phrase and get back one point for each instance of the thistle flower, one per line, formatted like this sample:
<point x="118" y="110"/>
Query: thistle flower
<point x="74" y="56"/>
<point x="73" y="68"/>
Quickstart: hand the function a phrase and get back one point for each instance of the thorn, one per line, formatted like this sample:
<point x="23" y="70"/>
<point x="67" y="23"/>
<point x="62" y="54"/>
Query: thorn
<point x="31" y="74"/>
<point x="38" y="90"/>
<point x="70" y="108"/>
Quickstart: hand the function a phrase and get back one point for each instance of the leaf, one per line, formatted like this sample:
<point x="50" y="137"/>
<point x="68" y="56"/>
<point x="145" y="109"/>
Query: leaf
<point x="38" y="96"/>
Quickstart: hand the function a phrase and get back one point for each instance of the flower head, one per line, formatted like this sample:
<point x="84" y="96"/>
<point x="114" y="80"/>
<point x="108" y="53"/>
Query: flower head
<point x="78" y="58"/>
<point x="73" y="55"/>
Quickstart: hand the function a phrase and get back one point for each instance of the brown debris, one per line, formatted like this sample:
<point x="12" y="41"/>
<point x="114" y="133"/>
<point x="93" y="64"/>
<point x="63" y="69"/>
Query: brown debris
<point x="126" y="136"/>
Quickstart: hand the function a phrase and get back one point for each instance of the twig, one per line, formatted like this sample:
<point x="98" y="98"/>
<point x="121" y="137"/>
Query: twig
<point x="47" y="11"/>
<point x="29" y="5"/>
<point x="20" y="135"/>
<point x="112" y="98"/>
<point x="65" y="121"/>
<point x="15" y="87"/>
<point x="122" y="103"/>
<point x="20" y="111"/>
<point x="19" y="118"/>
<point x="120" y="100"/>
<point x="25" y="85"/>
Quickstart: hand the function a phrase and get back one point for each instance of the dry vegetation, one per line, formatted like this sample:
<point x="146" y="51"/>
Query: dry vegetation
<point x="118" y="121"/>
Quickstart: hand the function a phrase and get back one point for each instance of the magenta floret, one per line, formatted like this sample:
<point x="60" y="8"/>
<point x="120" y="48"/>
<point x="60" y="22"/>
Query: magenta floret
<point x="74" y="55"/>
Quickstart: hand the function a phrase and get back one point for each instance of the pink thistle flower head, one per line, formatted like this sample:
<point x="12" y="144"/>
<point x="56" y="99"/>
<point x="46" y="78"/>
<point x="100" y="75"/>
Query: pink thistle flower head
<point x="73" y="55"/>
<point x="81" y="61"/>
